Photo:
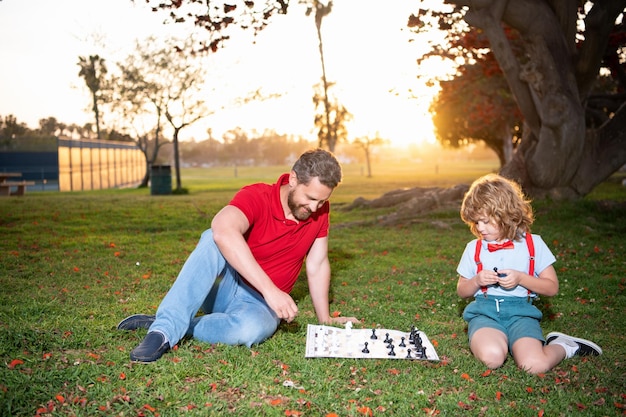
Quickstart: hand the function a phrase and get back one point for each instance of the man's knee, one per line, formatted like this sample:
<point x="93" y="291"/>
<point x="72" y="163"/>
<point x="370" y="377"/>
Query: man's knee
<point x="252" y="332"/>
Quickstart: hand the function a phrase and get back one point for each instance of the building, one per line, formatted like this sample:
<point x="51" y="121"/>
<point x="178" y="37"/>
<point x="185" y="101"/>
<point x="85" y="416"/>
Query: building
<point x="61" y="164"/>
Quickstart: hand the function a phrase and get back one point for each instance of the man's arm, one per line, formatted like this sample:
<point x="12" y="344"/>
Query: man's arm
<point x="318" y="276"/>
<point x="229" y="226"/>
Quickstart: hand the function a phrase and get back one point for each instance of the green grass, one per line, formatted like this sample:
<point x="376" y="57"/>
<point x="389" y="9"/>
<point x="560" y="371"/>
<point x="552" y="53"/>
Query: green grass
<point x="75" y="264"/>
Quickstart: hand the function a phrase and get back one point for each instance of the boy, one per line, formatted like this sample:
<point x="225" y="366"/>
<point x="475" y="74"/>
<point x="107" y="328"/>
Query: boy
<point x="504" y="269"/>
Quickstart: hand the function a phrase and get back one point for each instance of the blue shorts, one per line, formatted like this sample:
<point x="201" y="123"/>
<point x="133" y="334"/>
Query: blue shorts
<point x="516" y="317"/>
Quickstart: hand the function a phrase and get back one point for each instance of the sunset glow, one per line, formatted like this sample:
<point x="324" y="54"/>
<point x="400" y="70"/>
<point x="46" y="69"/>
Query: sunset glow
<point x="367" y="52"/>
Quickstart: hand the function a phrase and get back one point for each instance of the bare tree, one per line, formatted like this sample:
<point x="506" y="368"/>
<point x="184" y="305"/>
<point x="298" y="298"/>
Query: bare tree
<point x="327" y="134"/>
<point x="94" y="70"/>
<point x="366" y="143"/>
<point x="331" y="121"/>
<point x="159" y="81"/>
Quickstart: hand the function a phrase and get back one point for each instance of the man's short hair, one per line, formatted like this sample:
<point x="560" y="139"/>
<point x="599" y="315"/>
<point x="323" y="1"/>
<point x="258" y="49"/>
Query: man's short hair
<point x="318" y="163"/>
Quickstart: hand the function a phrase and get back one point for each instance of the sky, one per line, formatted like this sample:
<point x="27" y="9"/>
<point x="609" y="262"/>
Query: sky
<point x="367" y="55"/>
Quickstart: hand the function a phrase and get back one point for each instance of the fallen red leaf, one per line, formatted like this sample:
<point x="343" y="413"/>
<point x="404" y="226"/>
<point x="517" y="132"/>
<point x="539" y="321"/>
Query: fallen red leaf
<point x="365" y="411"/>
<point x="486" y="373"/>
<point x="464" y="406"/>
<point x="14" y="363"/>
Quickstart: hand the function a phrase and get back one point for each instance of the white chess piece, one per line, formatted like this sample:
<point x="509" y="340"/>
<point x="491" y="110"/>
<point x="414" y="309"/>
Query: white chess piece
<point x="349" y="328"/>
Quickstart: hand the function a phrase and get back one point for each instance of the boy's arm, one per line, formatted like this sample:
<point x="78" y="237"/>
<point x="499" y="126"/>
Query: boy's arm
<point x="466" y="288"/>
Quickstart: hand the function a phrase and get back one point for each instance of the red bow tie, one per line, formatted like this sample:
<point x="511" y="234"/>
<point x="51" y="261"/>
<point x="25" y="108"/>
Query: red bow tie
<point x="497" y="246"/>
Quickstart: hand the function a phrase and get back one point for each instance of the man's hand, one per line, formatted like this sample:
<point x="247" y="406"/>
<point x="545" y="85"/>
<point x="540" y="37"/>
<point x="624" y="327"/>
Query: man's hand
<point x="282" y="304"/>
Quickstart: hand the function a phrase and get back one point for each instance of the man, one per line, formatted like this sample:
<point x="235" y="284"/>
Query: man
<point x="244" y="267"/>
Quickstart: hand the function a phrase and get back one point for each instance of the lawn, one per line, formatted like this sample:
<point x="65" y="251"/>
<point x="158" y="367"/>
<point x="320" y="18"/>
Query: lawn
<point x="74" y="264"/>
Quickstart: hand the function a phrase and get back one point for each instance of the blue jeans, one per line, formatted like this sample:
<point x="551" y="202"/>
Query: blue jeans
<point x="235" y="314"/>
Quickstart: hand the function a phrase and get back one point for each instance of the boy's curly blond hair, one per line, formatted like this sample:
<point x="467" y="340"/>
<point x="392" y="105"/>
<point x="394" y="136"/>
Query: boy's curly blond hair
<point x="500" y="200"/>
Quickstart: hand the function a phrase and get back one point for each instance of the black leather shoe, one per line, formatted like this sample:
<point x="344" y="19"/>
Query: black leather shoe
<point x="150" y="349"/>
<point x="136" y="321"/>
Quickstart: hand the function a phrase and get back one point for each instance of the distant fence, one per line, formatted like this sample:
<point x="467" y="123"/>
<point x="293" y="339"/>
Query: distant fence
<point x="98" y="165"/>
<point x="75" y="165"/>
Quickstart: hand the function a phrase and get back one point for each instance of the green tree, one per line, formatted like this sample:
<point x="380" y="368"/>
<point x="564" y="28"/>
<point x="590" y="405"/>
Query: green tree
<point x="11" y="128"/>
<point x="48" y="126"/>
<point x="475" y="104"/>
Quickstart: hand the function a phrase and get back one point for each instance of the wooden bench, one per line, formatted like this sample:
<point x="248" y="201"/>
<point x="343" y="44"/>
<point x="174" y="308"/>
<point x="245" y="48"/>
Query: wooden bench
<point x="20" y="187"/>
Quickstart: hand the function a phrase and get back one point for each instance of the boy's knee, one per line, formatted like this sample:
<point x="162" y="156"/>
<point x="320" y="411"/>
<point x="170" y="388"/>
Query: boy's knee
<point x="492" y="357"/>
<point x="532" y="365"/>
<point x="493" y="362"/>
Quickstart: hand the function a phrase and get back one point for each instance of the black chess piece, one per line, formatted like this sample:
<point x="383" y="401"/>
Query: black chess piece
<point x="390" y="344"/>
<point x="402" y="344"/>
<point x="387" y="339"/>
<point x="421" y="352"/>
<point x="391" y="352"/>
<point x="373" y="336"/>
<point x="365" y="349"/>
<point x="417" y="341"/>
<point x="408" y="354"/>
<point x="500" y="275"/>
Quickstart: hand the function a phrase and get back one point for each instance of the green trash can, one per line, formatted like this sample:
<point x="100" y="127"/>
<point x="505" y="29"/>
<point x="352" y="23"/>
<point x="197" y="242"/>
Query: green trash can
<point x="161" y="180"/>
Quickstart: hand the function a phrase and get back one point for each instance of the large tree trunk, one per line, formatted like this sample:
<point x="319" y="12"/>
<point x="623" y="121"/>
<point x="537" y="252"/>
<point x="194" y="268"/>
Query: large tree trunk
<point x="558" y="156"/>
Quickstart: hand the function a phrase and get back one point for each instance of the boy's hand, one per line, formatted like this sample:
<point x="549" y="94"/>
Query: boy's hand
<point x="511" y="278"/>
<point x="486" y="277"/>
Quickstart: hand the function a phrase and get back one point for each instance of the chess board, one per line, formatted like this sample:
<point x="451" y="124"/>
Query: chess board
<point x="335" y="342"/>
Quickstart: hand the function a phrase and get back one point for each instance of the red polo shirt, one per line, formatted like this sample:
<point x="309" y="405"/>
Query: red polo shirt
<point x="278" y="244"/>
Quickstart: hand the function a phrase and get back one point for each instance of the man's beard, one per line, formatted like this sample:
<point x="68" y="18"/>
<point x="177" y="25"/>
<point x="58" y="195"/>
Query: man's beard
<point x="300" y="213"/>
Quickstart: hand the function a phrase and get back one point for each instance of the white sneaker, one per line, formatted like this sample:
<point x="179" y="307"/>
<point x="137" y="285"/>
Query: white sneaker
<point x="575" y="345"/>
